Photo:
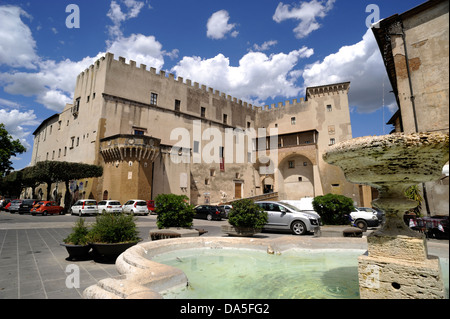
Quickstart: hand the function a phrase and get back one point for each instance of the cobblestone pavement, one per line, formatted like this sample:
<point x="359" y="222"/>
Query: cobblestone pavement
<point x="33" y="264"/>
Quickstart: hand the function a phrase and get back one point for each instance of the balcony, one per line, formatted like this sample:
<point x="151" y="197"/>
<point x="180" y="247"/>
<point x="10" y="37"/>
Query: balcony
<point x="124" y="147"/>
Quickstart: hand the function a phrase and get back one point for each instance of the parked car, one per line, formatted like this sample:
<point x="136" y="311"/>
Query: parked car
<point x="283" y="216"/>
<point x="47" y="207"/>
<point x="109" y="206"/>
<point x="380" y="215"/>
<point x="135" y="206"/>
<point x="363" y="219"/>
<point x="84" y="207"/>
<point x="209" y="212"/>
<point x="227" y="209"/>
<point x="151" y="206"/>
<point x="3" y="203"/>
<point x="14" y="206"/>
<point x="26" y="206"/>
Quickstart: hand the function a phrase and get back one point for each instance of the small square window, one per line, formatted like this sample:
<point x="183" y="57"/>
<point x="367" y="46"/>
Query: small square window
<point x="329" y="108"/>
<point x="332" y="141"/>
<point x="291" y="164"/>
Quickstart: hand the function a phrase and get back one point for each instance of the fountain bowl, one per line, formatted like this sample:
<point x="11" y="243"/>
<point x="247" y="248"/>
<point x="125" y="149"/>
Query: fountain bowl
<point x="407" y="159"/>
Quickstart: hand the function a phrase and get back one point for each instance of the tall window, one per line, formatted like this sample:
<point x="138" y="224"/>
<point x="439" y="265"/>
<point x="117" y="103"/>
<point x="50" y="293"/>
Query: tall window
<point x="225" y="119"/>
<point x="202" y="112"/>
<point x="329" y="108"/>
<point x="154" y="99"/>
<point x="293" y="121"/>
<point x="177" y="105"/>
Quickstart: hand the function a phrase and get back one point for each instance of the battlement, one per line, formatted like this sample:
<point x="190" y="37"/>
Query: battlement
<point x="311" y="92"/>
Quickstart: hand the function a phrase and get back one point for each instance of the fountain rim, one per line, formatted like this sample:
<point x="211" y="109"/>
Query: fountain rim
<point x="142" y="277"/>
<point x="347" y="149"/>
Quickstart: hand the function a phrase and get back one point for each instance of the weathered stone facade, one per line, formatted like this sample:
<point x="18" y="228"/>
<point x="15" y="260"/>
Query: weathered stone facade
<point x="134" y="122"/>
<point x="415" y="48"/>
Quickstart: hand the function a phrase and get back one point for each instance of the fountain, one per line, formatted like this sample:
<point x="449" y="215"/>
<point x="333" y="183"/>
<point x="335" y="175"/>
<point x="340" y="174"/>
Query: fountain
<point x="397" y="264"/>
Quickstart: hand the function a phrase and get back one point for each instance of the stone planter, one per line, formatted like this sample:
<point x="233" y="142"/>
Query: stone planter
<point x="240" y="231"/>
<point x="77" y="252"/>
<point x="110" y="251"/>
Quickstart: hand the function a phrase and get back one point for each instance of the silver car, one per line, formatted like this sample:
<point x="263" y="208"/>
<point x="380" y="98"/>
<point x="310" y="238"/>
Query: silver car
<point x="283" y="216"/>
<point x="84" y="207"/>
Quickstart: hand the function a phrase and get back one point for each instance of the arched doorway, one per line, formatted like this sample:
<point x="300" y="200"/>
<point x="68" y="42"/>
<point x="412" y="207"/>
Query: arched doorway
<point x="105" y="195"/>
<point x="296" y="177"/>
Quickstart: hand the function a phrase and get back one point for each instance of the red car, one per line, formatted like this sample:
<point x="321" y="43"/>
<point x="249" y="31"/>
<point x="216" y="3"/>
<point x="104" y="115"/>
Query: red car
<point x="46" y="207"/>
<point x="151" y="206"/>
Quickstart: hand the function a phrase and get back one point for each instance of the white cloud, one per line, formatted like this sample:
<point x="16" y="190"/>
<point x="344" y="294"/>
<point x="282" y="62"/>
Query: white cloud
<point x="17" y="46"/>
<point x="117" y="16"/>
<point x="306" y="12"/>
<point x="257" y="77"/>
<point x="217" y="26"/>
<point x="265" y="46"/>
<point x="361" y="64"/>
<point x="53" y="85"/>
<point x="15" y="121"/>
<point x="142" y="49"/>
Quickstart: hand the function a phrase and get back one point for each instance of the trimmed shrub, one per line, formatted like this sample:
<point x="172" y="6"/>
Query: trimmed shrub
<point x="245" y="213"/>
<point x="173" y="211"/>
<point x="114" y="228"/>
<point x="334" y="209"/>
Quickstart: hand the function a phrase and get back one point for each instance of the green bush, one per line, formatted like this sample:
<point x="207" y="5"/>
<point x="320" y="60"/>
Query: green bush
<point x="334" y="209"/>
<point x="245" y="213"/>
<point x="173" y="211"/>
<point x="114" y="228"/>
<point x="79" y="233"/>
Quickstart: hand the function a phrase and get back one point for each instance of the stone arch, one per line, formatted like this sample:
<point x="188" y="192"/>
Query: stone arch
<point x="296" y="177"/>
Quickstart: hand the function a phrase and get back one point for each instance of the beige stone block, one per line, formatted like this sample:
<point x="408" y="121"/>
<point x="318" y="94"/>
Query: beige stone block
<point x="388" y="278"/>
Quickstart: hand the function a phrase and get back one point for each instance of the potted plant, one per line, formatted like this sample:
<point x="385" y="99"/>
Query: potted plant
<point x="76" y="242"/>
<point x="173" y="211"/>
<point x="245" y="219"/>
<point x="112" y="234"/>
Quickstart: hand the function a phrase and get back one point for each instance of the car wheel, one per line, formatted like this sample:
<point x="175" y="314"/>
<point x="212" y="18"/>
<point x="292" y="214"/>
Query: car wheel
<point x="361" y="224"/>
<point x="104" y="211"/>
<point x="298" y="228"/>
<point x="44" y="213"/>
<point x="209" y="217"/>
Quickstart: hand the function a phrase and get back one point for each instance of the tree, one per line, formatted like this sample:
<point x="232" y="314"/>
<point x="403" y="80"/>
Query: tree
<point x="8" y="148"/>
<point x="334" y="209"/>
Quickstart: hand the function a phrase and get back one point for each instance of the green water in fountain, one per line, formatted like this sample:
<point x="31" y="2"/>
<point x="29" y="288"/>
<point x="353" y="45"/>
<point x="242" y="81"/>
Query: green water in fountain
<point x="254" y="274"/>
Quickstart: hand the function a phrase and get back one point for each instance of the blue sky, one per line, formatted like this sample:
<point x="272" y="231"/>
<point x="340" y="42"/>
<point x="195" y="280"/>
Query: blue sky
<point x="262" y="51"/>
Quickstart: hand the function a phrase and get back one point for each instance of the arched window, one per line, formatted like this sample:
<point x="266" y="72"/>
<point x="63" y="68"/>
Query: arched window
<point x="105" y="195"/>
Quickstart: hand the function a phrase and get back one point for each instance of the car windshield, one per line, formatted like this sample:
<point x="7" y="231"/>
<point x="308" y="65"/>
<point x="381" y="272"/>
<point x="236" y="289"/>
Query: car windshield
<point x="292" y="207"/>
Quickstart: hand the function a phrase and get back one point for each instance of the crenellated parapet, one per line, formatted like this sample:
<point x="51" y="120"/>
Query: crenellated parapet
<point x="329" y="89"/>
<point x="311" y="92"/>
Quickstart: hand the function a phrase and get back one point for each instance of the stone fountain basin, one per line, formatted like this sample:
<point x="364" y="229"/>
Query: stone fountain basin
<point x="375" y="160"/>
<point x="142" y="278"/>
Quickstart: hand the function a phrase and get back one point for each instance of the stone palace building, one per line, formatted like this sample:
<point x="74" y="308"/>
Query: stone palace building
<point x="154" y="133"/>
